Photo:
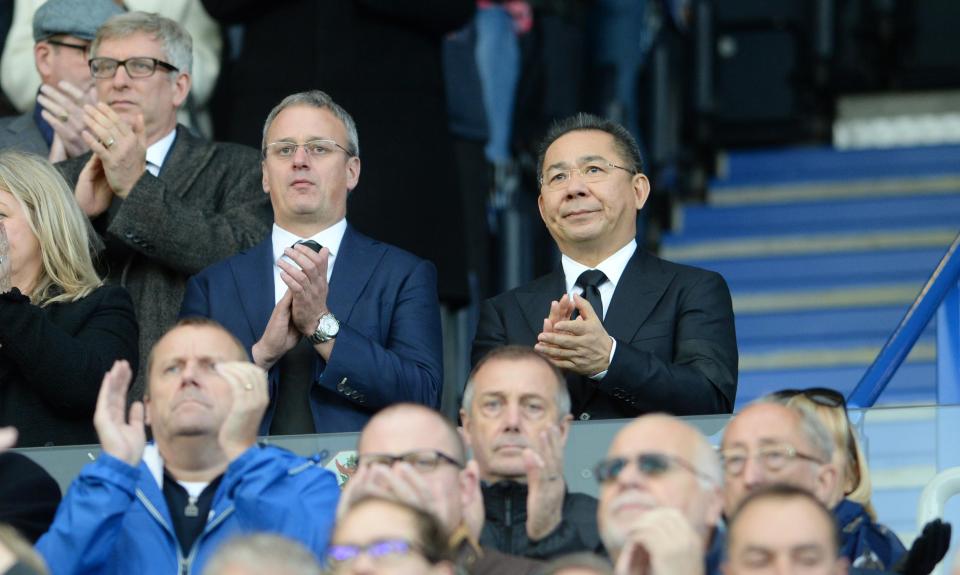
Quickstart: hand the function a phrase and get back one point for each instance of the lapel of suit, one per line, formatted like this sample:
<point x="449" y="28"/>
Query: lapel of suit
<point x="535" y="298"/>
<point x="641" y="286"/>
<point x="184" y="160"/>
<point x="359" y="256"/>
<point x="253" y="274"/>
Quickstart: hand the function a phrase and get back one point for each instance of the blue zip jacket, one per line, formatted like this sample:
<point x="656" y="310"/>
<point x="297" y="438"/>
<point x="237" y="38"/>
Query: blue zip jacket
<point x="114" y="518"/>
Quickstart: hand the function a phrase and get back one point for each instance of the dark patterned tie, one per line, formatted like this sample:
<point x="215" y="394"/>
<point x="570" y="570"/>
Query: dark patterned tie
<point x="590" y="281"/>
<point x="310" y="244"/>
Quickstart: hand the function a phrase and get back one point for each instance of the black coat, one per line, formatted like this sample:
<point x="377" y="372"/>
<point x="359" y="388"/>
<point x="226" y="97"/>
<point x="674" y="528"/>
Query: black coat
<point x="676" y="342"/>
<point x="381" y="61"/>
<point x="53" y="359"/>
<point x="28" y="495"/>
<point x="505" y="524"/>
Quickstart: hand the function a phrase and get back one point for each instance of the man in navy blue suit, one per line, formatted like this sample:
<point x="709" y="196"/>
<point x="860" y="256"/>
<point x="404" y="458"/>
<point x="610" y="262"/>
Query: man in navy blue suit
<point x="345" y="324"/>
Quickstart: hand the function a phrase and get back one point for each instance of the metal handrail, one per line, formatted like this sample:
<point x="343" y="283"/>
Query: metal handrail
<point x="901" y="341"/>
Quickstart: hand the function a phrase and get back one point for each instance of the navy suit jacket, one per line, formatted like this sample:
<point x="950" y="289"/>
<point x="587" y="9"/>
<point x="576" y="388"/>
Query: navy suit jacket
<point x="389" y="348"/>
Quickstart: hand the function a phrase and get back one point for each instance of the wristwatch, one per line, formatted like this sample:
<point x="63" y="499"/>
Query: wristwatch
<point x="327" y="328"/>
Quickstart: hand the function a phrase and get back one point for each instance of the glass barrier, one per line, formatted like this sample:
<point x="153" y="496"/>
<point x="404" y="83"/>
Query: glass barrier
<point x="905" y="446"/>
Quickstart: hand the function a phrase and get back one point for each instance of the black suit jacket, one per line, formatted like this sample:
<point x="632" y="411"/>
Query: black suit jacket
<point x="676" y="344"/>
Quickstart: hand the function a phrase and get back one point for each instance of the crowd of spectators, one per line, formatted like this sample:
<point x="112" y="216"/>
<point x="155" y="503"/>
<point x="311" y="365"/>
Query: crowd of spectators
<point x="156" y="282"/>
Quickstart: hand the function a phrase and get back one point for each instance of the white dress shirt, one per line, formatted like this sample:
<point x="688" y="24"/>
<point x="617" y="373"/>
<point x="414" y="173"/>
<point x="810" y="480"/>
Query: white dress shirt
<point x="157" y="153"/>
<point x="329" y="238"/>
<point x="612" y="267"/>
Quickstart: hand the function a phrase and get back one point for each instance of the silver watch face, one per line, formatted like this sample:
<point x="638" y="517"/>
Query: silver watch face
<point x="328" y="326"/>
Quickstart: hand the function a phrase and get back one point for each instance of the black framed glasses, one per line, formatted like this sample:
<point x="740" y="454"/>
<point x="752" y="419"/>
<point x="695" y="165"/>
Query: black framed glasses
<point x="315" y="149"/>
<point x="141" y="67"/>
<point x="773" y="458"/>
<point x="651" y="465"/>
<point x="81" y="47"/>
<point x="421" y="460"/>
<point x="379" y="551"/>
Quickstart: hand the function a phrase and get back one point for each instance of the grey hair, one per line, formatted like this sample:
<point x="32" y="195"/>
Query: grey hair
<point x="623" y="141"/>
<point x="176" y="42"/>
<point x="707" y="460"/>
<point x="323" y="101"/>
<point x="262" y="553"/>
<point x="811" y="427"/>
<point x="518" y="353"/>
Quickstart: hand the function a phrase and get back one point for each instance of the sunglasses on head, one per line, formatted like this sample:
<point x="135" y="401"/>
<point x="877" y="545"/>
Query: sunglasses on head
<point x="819" y="395"/>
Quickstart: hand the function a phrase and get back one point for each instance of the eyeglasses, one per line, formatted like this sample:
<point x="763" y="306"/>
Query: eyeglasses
<point x="135" y="67"/>
<point x="819" y="395"/>
<point x="81" y="47"/>
<point x="421" y="460"/>
<point x="649" y="464"/>
<point x="381" y="550"/>
<point x="772" y="457"/>
<point x="590" y="173"/>
<point x="315" y="149"/>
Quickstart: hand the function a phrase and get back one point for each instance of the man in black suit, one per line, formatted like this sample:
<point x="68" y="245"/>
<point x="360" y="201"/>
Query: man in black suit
<point x="667" y="342"/>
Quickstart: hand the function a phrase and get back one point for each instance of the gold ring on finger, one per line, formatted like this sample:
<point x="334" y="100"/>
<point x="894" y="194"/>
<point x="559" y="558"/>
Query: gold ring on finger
<point x="63" y="117"/>
<point x="248" y="386"/>
<point x="109" y="143"/>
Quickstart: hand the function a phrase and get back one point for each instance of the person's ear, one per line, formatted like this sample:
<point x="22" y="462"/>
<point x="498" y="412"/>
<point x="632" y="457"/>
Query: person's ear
<point x="641" y="189"/>
<point x="827" y="478"/>
<point x="43" y="58"/>
<point x="564" y="426"/>
<point x="353" y="172"/>
<point x="181" y="88"/>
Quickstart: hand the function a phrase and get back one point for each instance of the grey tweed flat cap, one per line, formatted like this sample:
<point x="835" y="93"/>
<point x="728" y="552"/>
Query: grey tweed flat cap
<point x="79" y="18"/>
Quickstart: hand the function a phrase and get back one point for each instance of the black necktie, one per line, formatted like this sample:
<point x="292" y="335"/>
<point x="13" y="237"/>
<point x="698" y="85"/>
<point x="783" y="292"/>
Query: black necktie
<point x="590" y="281"/>
<point x="310" y="244"/>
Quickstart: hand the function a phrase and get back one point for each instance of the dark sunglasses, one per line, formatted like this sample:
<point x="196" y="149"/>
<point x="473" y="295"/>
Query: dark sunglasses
<point x="819" y="395"/>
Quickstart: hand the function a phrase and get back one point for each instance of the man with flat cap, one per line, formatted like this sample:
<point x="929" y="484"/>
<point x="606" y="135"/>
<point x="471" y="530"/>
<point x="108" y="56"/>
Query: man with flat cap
<point x="63" y="31"/>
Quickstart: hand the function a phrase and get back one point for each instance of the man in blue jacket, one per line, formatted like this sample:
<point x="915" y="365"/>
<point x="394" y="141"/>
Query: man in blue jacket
<point x="164" y="507"/>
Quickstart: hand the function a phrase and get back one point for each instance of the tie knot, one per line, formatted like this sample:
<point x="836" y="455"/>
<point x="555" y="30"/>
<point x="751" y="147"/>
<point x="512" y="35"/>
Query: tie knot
<point x="310" y="244"/>
<point x="591" y="278"/>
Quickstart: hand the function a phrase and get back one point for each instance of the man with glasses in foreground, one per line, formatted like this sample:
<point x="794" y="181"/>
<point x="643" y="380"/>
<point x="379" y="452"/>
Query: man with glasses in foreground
<point x="516" y="417"/>
<point x="660" y="499"/>
<point x="344" y="324"/>
<point x="62" y="32"/>
<point x="165" y="202"/>
<point x="412" y="454"/>
<point x="633" y="333"/>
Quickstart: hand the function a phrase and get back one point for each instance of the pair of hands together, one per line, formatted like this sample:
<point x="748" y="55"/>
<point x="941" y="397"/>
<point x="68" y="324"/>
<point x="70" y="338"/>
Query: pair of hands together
<point x="298" y="311"/>
<point x="661" y="541"/>
<point x="580" y="345"/>
<point x="545" y="488"/>
<point x="123" y="435"/>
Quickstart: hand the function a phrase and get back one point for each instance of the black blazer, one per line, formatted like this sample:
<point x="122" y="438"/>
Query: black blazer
<point x="53" y="359"/>
<point x="676" y="344"/>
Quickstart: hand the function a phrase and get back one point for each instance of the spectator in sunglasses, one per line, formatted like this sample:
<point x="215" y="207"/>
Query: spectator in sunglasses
<point x="660" y="498"/>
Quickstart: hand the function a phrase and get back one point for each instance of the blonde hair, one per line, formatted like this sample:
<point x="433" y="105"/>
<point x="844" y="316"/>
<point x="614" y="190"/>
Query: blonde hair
<point x="21" y="549"/>
<point x="60" y="227"/>
<point x="856" y="470"/>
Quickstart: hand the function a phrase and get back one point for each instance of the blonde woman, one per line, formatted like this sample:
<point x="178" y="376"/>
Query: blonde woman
<point x="60" y="328"/>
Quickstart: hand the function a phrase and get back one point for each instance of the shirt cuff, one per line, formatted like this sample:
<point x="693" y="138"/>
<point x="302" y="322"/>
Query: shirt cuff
<point x="613" y="350"/>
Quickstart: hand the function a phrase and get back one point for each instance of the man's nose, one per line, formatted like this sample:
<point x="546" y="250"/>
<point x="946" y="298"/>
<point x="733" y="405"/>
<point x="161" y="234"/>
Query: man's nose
<point x="121" y="78"/>
<point x="577" y="186"/>
<point x="753" y="472"/>
<point x="512" y="416"/>
<point x="300" y="156"/>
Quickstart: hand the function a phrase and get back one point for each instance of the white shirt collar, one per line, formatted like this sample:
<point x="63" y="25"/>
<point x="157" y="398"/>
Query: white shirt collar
<point x="157" y="152"/>
<point x="329" y="238"/>
<point x="612" y="267"/>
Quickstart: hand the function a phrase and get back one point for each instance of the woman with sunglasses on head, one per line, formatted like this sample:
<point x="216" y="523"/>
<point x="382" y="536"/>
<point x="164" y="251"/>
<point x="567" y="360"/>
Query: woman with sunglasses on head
<point x="60" y="328"/>
<point x="867" y="543"/>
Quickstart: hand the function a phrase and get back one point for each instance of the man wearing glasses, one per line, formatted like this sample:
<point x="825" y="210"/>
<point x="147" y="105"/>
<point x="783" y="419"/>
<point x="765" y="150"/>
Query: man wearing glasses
<point x="62" y="30"/>
<point x="660" y="499"/>
<point x="165" y="202"/>
<point x="516" y="417"/>
<point x="344" y="324"/>
<point x="633" y="333"/>
<point x="772" y="443"/>
<point x="410" y="453"/>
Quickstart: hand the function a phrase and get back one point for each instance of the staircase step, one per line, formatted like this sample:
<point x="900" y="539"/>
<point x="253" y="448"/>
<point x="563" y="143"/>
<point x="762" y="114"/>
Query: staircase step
<point x="808" y="218"/>
<point x="839" y="297"/>
<point x="824" y="163"/>
<point x="819" y="270"/>
<point x="815" y="355"/>
<point x="790" y="328"/>
<point x="738" y="195"/>
<point x="697" y="247"/>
